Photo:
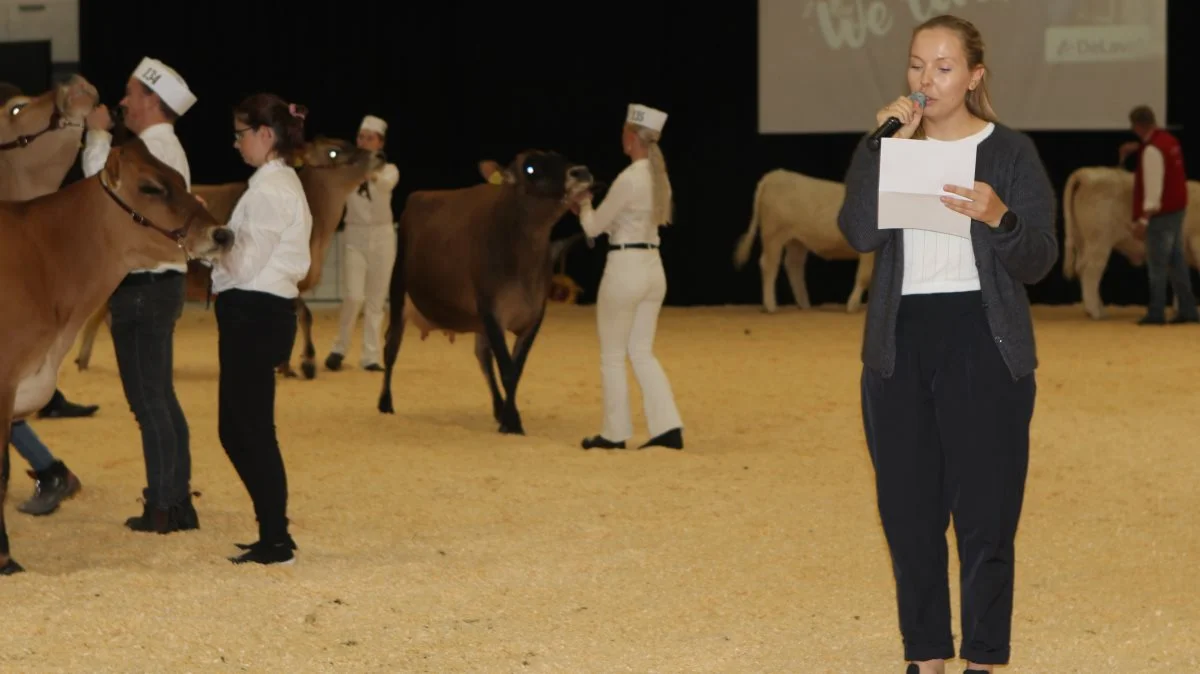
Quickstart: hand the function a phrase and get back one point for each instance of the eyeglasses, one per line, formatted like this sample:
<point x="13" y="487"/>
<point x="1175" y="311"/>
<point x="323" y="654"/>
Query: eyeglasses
<point x="237" y="133"/>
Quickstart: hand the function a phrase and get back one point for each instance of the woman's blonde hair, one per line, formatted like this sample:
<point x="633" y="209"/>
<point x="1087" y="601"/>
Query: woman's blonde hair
<point x="663" y="207"/>
<point x="979" y="100"/>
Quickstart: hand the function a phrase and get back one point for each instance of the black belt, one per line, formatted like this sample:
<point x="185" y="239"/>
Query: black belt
<point x="619" y="246"/>
<point x="142" y="278"/>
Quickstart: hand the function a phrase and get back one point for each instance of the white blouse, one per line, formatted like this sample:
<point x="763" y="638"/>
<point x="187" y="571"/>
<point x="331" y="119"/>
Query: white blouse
<point x="272" y="227"/>
<point x="627" y="210"/>
<point x="936" y="262"/>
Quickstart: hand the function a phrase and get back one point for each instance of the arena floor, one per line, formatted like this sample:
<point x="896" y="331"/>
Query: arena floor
<point x="430" y="543"/>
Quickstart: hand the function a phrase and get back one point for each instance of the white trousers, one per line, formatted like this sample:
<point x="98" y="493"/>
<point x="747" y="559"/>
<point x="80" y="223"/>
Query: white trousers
<point x="630" y="296"/>
<point x="368" y="256"/>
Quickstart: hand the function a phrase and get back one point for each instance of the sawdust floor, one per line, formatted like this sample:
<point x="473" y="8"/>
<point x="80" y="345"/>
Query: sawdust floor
<point x="430" y="543"/>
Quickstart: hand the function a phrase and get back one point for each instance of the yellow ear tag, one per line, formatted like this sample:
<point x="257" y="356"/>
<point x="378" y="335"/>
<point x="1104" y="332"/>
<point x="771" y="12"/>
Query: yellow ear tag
<point x="496" y="178"/>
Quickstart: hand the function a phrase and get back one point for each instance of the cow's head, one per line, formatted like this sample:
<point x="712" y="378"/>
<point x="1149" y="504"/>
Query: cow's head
<point x="326" y="153"/>
<point x="546" y="175"/>
<point x="160" y="215"/>
<point x="39" y="136"/>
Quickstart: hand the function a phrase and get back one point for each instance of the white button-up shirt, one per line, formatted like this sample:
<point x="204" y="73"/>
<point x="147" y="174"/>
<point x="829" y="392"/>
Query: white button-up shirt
<point x="627" y="209"/>
<point x="272" y="227"/>
<point x="376" y="210"/>
<point x="161" y="141"/>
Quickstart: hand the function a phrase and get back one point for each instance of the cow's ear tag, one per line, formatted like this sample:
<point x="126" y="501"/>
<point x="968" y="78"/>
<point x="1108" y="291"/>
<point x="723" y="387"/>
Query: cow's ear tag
<point x="496" y="178"/>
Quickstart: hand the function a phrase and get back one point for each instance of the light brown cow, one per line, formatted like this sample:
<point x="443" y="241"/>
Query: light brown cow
<point x="40" y="136"/>
<point x="798" y="213"/>
<point x="332" y="169"/>
<point x="64" y="253"/>
<point x="1097" y="212"/>
<point x="479" y="260"/>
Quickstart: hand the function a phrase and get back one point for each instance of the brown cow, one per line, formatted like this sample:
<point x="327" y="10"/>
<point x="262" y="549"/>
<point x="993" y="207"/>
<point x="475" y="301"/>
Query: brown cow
<point x="40" y="137"/>
<point x="332" y="170"/>
<point x="479" y="260"/>
<point x="64" y="253"/>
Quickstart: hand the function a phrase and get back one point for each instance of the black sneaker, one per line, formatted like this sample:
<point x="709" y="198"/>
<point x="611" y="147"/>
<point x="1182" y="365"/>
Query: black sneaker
<point x="51" y="487"/>
<point x="334" y="362"/>
<point x="267" y="553"/>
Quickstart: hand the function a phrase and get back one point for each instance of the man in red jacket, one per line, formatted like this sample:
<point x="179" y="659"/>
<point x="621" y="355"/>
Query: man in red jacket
<point x="1159" y="204"/>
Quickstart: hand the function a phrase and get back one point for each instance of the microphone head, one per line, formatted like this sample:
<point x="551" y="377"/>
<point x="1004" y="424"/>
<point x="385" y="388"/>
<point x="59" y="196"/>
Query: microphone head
<point x="918" y="97"/>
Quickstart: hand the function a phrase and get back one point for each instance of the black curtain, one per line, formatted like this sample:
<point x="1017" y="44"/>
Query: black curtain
<point x="463" y="81"/>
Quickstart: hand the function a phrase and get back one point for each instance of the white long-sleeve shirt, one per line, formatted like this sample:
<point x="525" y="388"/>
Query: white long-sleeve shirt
<point x="377" y="209"/>
<point x="161" y="141"/>
<point x="272" y="227"/>
<point x="627" y="210"/>
<point x="1153" y="172"/>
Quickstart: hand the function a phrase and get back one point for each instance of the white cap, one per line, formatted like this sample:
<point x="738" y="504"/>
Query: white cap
<point x="165" y="82"/>
<point x="373" y="123"/>
<point x="646" y="116"/>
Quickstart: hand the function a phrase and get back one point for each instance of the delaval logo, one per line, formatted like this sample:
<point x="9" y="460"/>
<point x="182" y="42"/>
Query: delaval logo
<point x="1131" y="42"/>
<point x="151" y="76"/>
<point x="638" y="116"/>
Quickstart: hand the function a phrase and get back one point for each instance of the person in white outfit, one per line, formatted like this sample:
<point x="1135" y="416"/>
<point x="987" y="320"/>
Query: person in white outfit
<point x="148" y="302"/>
<point x="370" y="252"/>
<point x="634" y="286"/>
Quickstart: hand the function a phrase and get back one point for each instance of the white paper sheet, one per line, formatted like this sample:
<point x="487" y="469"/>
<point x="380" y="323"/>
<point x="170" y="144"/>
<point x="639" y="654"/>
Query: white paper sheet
<point x="911" y="176"/>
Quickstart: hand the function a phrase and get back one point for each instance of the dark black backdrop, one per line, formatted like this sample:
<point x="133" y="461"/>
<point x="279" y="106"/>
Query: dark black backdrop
<point x="463" y="81"/>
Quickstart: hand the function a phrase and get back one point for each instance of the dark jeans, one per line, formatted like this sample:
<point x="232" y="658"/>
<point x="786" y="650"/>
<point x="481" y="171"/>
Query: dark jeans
<point x="948" y="433"/>
<point x="1165" y="261"/>
<point x="256" y="333"/>
<point x="30" y="447"/>
<point x="144" y="310"/>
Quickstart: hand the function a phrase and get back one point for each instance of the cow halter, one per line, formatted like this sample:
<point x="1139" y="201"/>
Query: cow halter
<point x="177" y="235"/>
<point x="57" y="121"/>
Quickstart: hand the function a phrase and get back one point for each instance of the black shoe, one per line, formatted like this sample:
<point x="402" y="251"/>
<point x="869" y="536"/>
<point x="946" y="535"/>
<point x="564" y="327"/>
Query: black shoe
<point x="374" y="367"/>
<point x="268" y="553"/>
<point x="154" y="519"/>
<point x="53" y="486"/>
<point x="975" y="671"/>
<point x="600" y="442"/>
<point x="672" y="439"/>
<point x="60" y="408"/>
<point x="1183" y="319"/>
<point x="334" y="362"/>
<point x="1152" y="320"/>
<point x="251" y="546"/>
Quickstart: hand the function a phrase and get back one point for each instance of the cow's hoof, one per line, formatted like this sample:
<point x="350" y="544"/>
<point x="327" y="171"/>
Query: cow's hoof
<point x="309" y="369"/>
<point x="511" y="430"/>
<point x="10" y="568"/>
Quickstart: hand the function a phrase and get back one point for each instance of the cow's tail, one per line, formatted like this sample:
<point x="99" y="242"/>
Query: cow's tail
<point x="394" y="330"/>
<point x="1068" y="206"/>
<point x="746" y="243"/>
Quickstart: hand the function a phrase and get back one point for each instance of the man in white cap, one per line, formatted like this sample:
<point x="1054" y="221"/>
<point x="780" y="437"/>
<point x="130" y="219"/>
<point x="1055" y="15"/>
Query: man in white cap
<point x="146" y="305"/>
<point x="370" y="252"/>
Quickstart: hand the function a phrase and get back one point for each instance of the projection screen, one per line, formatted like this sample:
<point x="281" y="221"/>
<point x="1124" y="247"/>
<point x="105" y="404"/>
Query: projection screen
<point x="826" y="66"/>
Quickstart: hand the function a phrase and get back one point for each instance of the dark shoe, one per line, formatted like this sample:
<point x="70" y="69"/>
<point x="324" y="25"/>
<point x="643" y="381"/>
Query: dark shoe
<point x="374" y="367"/>
<point x="154" y="519"/>
<point x="334" y="362"/>
<point x="600" y="442"/>
<point x="250" y="546"/>
<point x="268" y="553"/>
<point x="60" y="408"/>
<point x="1152" y="320"/>
<point x="975" y="671"/>
<point x="672" y="439"/>
<point x="1183" y="319"/>
<point x="51" y="487"/>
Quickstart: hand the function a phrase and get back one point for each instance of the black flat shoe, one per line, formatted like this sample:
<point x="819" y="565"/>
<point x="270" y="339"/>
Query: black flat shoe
<point x="672" y="439"/>
<point x="267" y="553"/>
<point x="600" y="442"/>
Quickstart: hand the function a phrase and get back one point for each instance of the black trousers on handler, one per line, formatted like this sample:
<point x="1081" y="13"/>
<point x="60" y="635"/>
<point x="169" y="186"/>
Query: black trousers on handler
<point x="948" y="435"/>
<point x="256" y="333"/>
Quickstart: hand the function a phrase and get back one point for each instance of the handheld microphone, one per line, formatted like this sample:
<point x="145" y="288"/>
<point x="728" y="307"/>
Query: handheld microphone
<point x="892" y="124"/>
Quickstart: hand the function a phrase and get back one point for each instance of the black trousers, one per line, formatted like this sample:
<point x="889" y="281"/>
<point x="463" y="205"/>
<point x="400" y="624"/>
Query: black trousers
<point x="256" y="332"/>
<point x="145" y="308"/>
<point x="948" y="435"/>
